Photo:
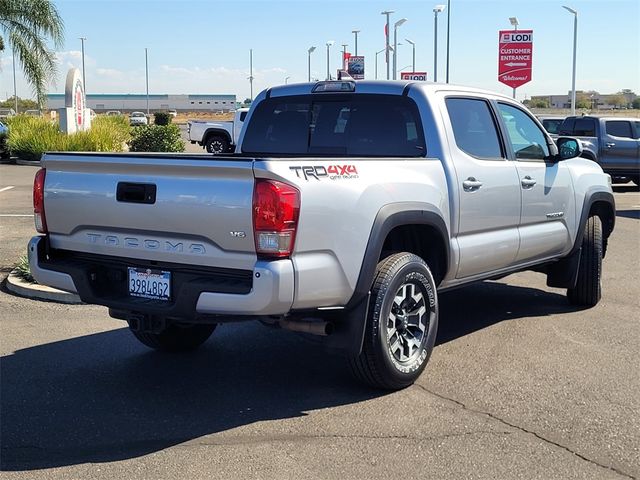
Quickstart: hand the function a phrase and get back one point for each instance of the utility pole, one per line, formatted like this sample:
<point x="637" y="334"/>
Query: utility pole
<point x="146" y="68"/>
<point x="84" y="78"/>
<point x="387" y="13"/>
<point x="356" y="32"/>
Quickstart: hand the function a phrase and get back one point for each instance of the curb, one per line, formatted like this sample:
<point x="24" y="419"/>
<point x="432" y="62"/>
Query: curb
<point x="30" y="163"/>
<point x="21" y="288"/>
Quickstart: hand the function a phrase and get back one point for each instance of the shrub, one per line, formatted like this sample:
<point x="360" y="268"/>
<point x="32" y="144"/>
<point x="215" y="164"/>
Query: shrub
<point x="23" y="270"/>
<point x="156" y="138"/>
<point x="30" y="137"/>
<point x="161" y="118"/>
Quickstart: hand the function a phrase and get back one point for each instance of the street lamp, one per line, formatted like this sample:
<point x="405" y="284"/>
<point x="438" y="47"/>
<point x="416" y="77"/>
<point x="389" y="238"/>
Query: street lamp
<point x="395" y="44"/>
<point x="377" y="53"/>
<point x="386" y="31"/>
<point x="448" y="32"/>
<point x="146" y="70"/>
<point x="355" y="33"/>
<point x="515" y="23"/>
<point x="309" y="52"/>
<point x="344" y="55"/>
<point x="436" y="10"/>
<point x="84" y="79"/>
<point x="15" y="88"/>
<point x="329" y="43"/>
<point x="413" y="47"/>
<point x="286" y="80"/>
<point x="250" y="78"/>
<point x="575" y="41"/>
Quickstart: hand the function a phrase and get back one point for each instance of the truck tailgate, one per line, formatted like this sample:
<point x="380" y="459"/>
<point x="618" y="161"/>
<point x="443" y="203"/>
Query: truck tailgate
<point x="189" y="209"/>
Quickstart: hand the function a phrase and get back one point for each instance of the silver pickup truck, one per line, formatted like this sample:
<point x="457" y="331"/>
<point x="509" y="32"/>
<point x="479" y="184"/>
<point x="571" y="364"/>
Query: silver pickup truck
<point x="344" y="212"/>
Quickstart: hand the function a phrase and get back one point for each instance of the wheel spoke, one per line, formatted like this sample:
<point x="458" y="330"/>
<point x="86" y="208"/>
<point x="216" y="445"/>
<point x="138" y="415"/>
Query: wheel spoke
<point x="397" y="344"/>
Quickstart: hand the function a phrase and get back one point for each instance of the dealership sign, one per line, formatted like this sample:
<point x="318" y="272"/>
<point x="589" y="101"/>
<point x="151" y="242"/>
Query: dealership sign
<point x="419" y="76"/>
<point x="355" y="67"/>
<point x="75" y="116"/>
<point x="515" y="56"/>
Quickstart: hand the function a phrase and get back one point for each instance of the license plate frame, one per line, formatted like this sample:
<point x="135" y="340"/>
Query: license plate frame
<point x="153" y="284"/>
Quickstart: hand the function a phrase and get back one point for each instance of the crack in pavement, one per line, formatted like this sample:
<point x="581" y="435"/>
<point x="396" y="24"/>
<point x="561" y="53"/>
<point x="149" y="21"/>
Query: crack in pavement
<point x="522" y="429"/>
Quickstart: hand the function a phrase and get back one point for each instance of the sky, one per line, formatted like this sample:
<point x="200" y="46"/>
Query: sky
<point x="203" y="46"/>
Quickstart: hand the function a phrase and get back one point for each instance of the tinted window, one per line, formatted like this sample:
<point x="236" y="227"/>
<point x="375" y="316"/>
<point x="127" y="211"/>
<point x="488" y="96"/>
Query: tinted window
<point x="585" y="127"/>
<point x="552" y="125"/>
<point x="618" y="128"/>
<point x="527" y="140"/>
<point x="243" y="115"/>
<point x="474" y="127"/>
<point x="354" y="125"/>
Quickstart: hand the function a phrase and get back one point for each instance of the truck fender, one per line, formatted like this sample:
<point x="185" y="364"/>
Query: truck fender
<point x="218" y="132"/>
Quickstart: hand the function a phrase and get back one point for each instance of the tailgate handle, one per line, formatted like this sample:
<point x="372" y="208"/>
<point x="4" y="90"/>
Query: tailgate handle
<point x="136" y="192"/>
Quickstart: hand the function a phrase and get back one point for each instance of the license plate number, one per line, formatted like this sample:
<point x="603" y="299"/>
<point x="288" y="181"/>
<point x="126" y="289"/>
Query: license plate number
<point x="147" y="283"/>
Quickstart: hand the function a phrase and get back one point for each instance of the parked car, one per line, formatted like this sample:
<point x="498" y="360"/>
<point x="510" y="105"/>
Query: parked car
<point x="138" y="118"/>
<point x="348" y="235"/>
<point x="173" y="112"/>
<point x="217" y="137"/>
<point x="613" y="142"/>
<point x="551" y="123"/>
<point x="4" y="134"/>
<point x="7" y="113"/>
<point x="113" y="113"/>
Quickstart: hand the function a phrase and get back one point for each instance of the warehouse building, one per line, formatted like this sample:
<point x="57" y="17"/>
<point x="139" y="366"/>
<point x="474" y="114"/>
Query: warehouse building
<point x="124" y="102"/>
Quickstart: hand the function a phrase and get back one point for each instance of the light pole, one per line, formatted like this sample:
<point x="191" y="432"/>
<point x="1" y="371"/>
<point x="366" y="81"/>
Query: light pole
<point x="413" y="47"/>
<point x="448" y="32"/>
<point x="344" y="55"/>
<point x="15" y="88"/>
<point x="309" y="52"/>
<point x="286" y="80"/>
<point x="515" y="23"/>
<point x="575" y="41"/>
<point x="355" y="33"/>
<point x="84" y="79"/>
<point x="329" y="43"/>
<point x="251" y="74"/>
<point x="146" y="70"/>
<point x="387" y="13"/>
<point x="436" y="10"/>
<point x="395" y="44"/>
<point x="377" y="53"/>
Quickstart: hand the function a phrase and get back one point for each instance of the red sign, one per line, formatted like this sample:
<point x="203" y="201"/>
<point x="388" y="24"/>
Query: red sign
<point x="419" y="76"/>
<point x="515" y="54"/>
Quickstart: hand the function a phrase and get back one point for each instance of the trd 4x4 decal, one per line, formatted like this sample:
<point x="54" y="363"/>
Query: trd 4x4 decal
<point x="332" y="172"/>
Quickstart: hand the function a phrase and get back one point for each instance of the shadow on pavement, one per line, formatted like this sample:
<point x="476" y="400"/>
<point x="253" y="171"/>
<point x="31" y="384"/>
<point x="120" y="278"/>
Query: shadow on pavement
<point x="628" y="187"/>
<point x="628" y="213"/>
<point x="104" y="397"/>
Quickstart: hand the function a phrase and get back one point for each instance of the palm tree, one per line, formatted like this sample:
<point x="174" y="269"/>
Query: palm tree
<point x="27" y="25"/>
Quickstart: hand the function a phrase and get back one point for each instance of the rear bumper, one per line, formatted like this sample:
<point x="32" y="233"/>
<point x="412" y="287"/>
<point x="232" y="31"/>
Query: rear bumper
<point x="196" y="291"/>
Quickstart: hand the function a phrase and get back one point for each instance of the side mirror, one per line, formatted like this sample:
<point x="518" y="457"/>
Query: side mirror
<point x="568" y="148"/>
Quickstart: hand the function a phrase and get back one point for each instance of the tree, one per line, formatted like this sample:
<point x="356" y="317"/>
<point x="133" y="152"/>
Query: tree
<point x="617" y="101"/>
<point x="636" y="103"/>
<point x="583" y="101"/>
<point x="540" y="103"/>
<point x="23" y="103"/>
<point x="247" y="101"/>
<point x="27" y="26"/>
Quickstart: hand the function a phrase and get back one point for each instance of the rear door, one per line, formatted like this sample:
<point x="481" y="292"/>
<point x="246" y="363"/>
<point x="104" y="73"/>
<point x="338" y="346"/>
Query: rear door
<point x="488" y="188"/>
<point x="546" y="188"/>
<point x="621" y="145"/>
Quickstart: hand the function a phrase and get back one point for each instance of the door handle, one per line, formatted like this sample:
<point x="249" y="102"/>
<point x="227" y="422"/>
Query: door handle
<point x="471" y="184"/>
<point x="528" y="182"/>
<point x="609" y="144"/>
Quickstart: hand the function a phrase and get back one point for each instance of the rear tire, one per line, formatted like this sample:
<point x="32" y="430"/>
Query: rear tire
<point x="636" y="180"/>
<point x="217" y="145"/>
<point x="401" y="325"/>
<point x="588" y="290"/>
<point x="176" y="338"/>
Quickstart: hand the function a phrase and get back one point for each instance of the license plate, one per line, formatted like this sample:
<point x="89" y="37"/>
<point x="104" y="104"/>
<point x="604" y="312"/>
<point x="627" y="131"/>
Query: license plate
<point x="147" y="283"/>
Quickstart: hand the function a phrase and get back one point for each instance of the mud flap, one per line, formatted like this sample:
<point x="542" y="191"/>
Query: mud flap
<point x="564" y="273"/>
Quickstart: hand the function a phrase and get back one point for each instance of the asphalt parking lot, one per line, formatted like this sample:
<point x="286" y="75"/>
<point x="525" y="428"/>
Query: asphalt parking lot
<point x="520" y="385"/>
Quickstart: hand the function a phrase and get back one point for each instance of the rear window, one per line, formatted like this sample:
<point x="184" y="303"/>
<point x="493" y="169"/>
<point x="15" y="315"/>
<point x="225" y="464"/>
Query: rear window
<point x="580" y="127"/>
<point x="552" y="125"/>
<point x="341" y="125"/>
<point x="619" y="128"/>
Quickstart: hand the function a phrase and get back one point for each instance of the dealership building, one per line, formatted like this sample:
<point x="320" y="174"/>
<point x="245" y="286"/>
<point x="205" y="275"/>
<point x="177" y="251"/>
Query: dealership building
<point x="127" y="102"/>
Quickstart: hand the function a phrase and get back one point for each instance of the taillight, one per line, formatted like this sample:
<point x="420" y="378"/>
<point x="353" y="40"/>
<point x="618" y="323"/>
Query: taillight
<point x="38" y="201"/>
<point x="276" y="207"/>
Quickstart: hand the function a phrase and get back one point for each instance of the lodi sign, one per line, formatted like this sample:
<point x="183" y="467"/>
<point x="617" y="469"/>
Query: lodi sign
<point x="419" y="76"/>
<point x="75" y="116"/>
<point x="515" y="56"/>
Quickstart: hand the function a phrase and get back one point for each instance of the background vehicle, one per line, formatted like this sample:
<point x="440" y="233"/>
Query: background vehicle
<point x="138" y="118"/>
<point x="4" y="133"/>
<point x="173" y="112"/>
<point x="345" y="227"/>
<point x="217" y="137"/>
<point x="6" y="113"/>
<point x="113" y="112"/>
<point x="613" y="142"/>
<point x="551" y="123"/>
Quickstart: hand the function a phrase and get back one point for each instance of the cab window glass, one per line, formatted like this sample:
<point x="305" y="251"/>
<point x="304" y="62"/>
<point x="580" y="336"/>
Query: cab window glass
<point x="619" y="128"/>
<point x="527" y="139"/>
<point x="585" y="127"/>
<point x="474" y="128"/>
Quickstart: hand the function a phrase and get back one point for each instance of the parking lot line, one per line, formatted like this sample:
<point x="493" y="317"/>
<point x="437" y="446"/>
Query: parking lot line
<point x="16" y="214"/>
<point x="6" y="188"/>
